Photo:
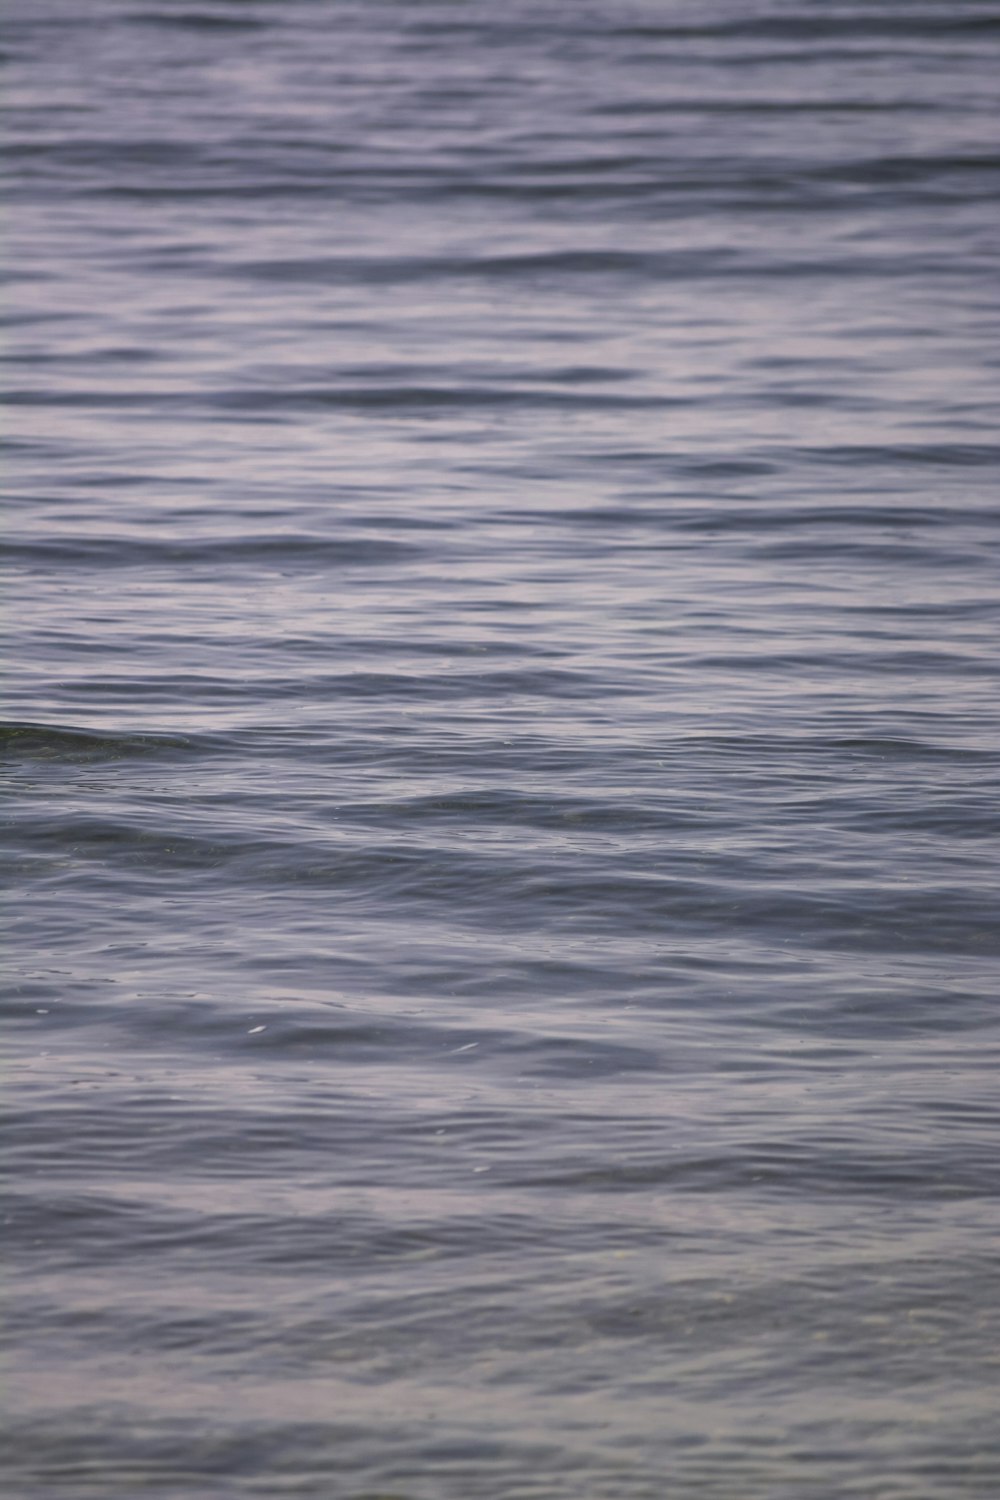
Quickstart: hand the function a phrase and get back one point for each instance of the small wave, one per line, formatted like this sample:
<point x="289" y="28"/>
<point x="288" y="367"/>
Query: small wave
<point x="271" y="549"/>
<point x="407" y="397"/>
<point x="880" y="747"/>
<point x="966" y="455"/>
<point x="202" y="22"/>
<point x="25" y="741"/>
<point x="813" y="25"/>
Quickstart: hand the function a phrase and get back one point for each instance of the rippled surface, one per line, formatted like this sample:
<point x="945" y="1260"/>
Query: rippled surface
<point x="504" y="726"/>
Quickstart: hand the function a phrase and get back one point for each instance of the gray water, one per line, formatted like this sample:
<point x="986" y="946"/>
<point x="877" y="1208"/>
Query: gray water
<point x="503" y="721"/>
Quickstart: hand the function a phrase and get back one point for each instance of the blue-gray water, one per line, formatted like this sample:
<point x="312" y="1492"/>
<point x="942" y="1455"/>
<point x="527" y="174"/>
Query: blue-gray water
<point x="503" y="721"/>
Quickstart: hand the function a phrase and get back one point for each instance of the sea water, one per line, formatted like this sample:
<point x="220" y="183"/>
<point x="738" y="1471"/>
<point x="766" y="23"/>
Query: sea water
<point x="503" y="725"/>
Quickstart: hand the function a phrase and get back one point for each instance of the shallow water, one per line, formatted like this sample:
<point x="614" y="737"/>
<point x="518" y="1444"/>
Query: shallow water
<point x="503" y="723"/>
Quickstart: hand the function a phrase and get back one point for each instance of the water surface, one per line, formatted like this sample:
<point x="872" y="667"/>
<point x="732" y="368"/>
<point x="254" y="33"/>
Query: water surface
<point x="503" y="725"/>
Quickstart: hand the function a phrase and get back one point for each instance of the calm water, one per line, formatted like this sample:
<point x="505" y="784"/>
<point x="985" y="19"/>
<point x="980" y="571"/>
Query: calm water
<point x="504" y="732"/>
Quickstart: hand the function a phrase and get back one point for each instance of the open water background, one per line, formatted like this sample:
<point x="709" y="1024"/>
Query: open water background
<point x="504" y="732"/>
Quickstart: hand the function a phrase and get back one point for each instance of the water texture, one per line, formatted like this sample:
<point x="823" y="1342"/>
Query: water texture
<point x="503" y="725"/>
